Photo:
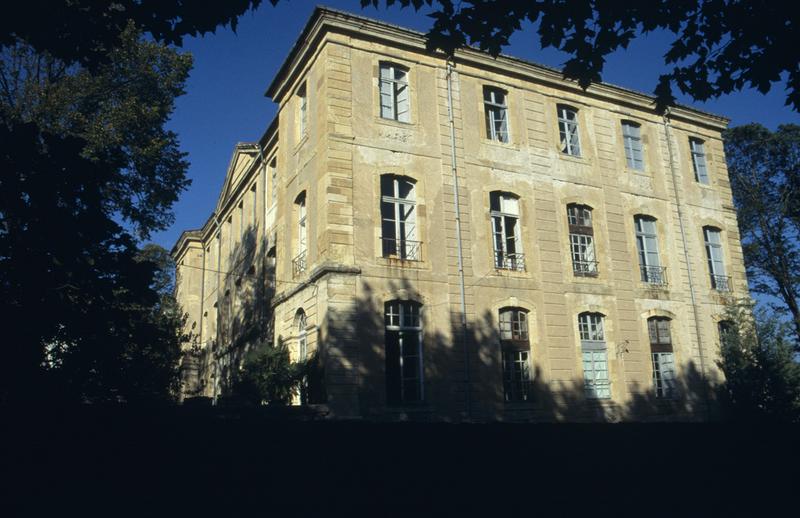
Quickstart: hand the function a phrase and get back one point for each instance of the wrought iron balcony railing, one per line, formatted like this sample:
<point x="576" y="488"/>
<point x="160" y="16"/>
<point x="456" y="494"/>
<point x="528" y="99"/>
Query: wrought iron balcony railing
<point x="299" y="264"/>
<point x="403" y="249"/>
<point x="654" y="275"/>
<point x="584" y="268"/>
<point x="506" y="261"/>
<point x="721" y="282"/>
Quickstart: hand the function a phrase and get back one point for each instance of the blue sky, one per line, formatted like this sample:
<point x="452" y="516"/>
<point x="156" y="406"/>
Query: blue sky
<point x="225" y="102"/>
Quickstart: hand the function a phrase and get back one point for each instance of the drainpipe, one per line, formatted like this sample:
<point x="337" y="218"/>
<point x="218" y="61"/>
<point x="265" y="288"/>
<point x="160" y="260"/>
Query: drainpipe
<point x="458" y="235"/>
<point x="673" y="175"/>
<point x="218" y="237"/>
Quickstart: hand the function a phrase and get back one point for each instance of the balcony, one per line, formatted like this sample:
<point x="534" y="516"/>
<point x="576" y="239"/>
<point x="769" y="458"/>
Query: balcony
<point x="509" y="261"/>
<point x="584" y="268"/>
<point x="721" y="282"/>
<point x="403" y="249"/>
<point x="654" y="275"/>
<point x="299" y="264"/>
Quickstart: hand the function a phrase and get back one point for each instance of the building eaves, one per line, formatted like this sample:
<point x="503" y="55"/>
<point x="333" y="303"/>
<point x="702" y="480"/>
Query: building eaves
<point x="323" y="11"/>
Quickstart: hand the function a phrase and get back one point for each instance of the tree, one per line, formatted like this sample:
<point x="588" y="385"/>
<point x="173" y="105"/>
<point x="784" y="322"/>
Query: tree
<point x="762" y="377"/>
<point x="267" y="376"/>
<point x="764" y="170"/>
<point x="719" y="47"/>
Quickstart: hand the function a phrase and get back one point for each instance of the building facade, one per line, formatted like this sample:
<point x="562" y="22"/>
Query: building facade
<point x="467" y="239"/>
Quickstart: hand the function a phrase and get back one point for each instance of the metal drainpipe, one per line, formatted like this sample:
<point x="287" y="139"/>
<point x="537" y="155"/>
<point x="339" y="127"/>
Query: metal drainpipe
<point x="458" y="235"/>
<point x="218" y="237"/>
<point x="688" y="264"/>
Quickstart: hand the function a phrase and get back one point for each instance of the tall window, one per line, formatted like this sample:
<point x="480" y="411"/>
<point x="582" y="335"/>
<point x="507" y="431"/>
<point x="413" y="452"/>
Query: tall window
<point x="663" y="358"/>
<point x="716" y="265"/>
<point x="568" y="130"/>
<point x="595" y="357"/>
<point x="394" y="91"/>
<point x="302" y="341"/>
<point x="299" y="262"/>
<point x="581" y="239"/>
<point x="699" y="160"/>
<point x="727" y="333"/>
<point x="515" y="347"/>
<point x="273" y="180"/>
<point x="496" y="111"/>
<point x="631" y="136"/>
<point x="647" y="246"/>
<point x="302" y="98"/>
<point x="404" y="382"/>
<point x="504" y="210"/>
<point x="399" y="218"/>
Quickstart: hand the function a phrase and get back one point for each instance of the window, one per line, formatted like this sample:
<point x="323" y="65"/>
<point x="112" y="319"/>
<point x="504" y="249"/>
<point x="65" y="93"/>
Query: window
<point x="568" y="130"/>
<point x="399" y="218"/>
<point x="663" y="358"/>
<point x="504" y="210"/>
<point x="394" y="92"/>
<point x="496" y="111"/>
<point x="254" y="204"/>
<point x="302" y="341"/>
<point x="631" y="136"/>
<point x="595" y="358"/>
<point x="273" y="173"/>
<point x="727" y="333"/>
<point x="303" y="110"/>
<point x="299" y="262"/>
<point x="515" y="349"/>
<point x="404" y="382"/>
<point x="647" y="247"/>
<point x="699" y="160"/>
<point x="716" y="265"/>
<point x="581" y="238"/>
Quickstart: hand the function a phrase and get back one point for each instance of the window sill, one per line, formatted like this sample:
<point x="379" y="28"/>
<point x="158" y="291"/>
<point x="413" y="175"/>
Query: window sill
<point x="394" y="123"/>
<point x="396" y="262"/>
<point x="501" y="145"/>
<point x="572" y="158"/>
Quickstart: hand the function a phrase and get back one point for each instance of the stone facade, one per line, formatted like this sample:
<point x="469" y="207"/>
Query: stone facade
<point x="338" y="148"/>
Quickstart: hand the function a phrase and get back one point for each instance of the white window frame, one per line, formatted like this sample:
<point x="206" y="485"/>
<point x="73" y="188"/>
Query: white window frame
<point x="715" y="258"/>
<point x="581" y="239"/>
<point x="403" y="219"/>
<point x="647" y="249"/>
<point x="405" y="317"/>
<point x="273" y="171"/>
<point x="515" y="354"/>
<point x="634" y="149"/>
<point x="302" y="94"/>
<point x="503" y="240"/>
<point x="302" y="335"/>
<point x="302" y="229"/>
<point x="495" y="105"/>
<point x="659" y="332"/>
<point x="699" y="163"/>
<point x="394" y="92"/>
<point x="568" y="130"/>
<point x="597" y="382"/>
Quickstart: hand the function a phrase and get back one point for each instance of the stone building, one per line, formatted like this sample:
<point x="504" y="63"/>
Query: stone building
<point x="474" y="239"/>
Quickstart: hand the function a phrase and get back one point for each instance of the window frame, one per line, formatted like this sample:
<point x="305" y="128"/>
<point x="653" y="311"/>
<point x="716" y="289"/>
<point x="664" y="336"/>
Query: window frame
<point x="633" y="143"/>
<point x="715" y="259"/>
<point x="499" y="220"/>
<point x="647" y="249"/>
<point x="662" y="356"/>
<point x="568" y="127"/>
<point x="408" y="322"/>
<point x="583" y="253"/>
<point x="405" y="245"/>
<point x="699" y="161"/>
<point x="494" y="112"/>
<point x="395" y="85"/>
<point x="591" y="332"/>
<point x="515" y="351"/>
<point x="302" y="109"/>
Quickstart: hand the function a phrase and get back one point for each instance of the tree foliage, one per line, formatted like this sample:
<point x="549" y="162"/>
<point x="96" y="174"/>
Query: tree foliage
<point x="762" y="378"/>
<point x="268" y="376"/>
<point x="719" y="47"/>
<point x="764" y="169"/>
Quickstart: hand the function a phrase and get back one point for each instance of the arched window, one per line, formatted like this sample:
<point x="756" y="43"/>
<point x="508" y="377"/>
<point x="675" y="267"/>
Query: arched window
<point x="301" y="324"/>
<point x="699" y="160"/>
<point x="568" y="130"/>
<point x="404" y="380"/>
<point x="299" y="261"/>
<point x="399" y="218"/>
<point x="716" y="264"/>
<point x="647" y="246"/>
<point x="595" y="358"/>
<point x="394" y="94"/>
<point x="504" y="211"/>
<point x="658" y="328"/>
<point x="581" y="239"/>
<point x="515" y="348"/>
<point x="631" y="136"/>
